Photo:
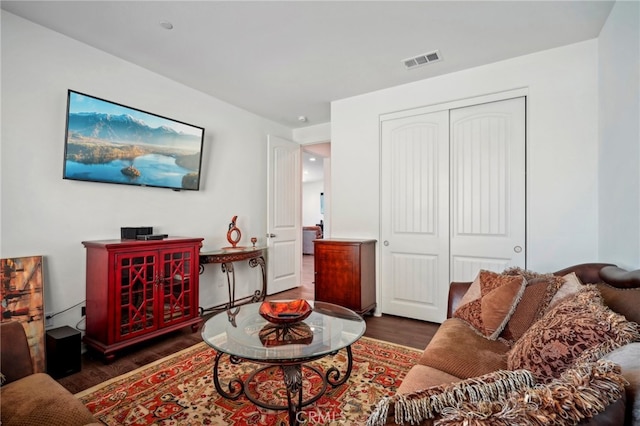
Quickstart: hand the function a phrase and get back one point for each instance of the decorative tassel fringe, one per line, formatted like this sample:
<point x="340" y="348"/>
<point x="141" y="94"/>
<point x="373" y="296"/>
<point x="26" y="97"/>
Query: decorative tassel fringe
<point x="506" y="398"/>
<point x="426" y="404"/>
<point x="580" y="393"/>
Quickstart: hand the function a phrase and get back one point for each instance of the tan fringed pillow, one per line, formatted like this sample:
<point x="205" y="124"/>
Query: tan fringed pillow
<point x="577" y="324"/>
<point x="582" y="391"/>
<point x="495" y="299"/>
<point x="429" y="403"/>
<point x="572" y="285"/>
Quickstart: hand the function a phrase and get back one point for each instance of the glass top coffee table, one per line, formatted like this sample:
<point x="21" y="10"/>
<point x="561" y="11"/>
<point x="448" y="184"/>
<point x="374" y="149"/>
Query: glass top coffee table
<point x="242" y="334"/>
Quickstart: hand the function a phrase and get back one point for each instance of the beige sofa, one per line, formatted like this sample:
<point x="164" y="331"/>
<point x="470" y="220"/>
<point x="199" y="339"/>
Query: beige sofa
<point x="459" y="352"/>
<point x="28" y="399"/>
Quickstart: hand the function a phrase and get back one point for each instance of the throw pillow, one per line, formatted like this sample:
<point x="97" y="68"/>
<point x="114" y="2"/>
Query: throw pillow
<point x="576" y="324"/>
<point x="572" y="285"/>
<point x="540" y="290"/>
<point x="496" y="301"/>
<point x="431" y="402"/>
<point x="579" y="393"/>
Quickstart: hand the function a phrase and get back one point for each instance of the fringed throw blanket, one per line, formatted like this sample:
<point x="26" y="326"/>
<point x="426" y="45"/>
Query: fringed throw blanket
<point x="428" y="403"/>
<point x="505" y="398"/>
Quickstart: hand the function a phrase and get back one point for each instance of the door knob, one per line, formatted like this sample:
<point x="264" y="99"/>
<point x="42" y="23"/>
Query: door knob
<point x="517" y="249"/>
<point x="386" y="243"/>
<point x="271" y="235"/>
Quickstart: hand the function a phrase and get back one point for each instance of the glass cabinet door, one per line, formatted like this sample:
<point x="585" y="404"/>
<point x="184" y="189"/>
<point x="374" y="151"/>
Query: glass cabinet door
<point x="136" y="281"/>
<point x="177" y="292"/>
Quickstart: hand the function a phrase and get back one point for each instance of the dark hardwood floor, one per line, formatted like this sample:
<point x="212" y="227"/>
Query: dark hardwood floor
<point x="402" y="331"/>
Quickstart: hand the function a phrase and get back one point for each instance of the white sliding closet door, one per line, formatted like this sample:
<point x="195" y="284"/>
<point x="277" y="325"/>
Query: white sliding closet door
<point x="415" y="215"/>
<point x="452" y="202"/>
<point x="487" y="188"/>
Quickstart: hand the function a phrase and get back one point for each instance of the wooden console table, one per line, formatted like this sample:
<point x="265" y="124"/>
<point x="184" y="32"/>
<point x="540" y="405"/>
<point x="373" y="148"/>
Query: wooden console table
<point x="226" y="258"/>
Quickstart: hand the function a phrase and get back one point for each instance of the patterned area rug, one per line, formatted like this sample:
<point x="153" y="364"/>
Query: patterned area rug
<point x="179" y="390"/>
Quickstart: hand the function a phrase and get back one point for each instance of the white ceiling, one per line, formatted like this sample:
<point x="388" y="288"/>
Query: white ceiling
<point x="312" y="167"/>
<point x="283" y="59"/>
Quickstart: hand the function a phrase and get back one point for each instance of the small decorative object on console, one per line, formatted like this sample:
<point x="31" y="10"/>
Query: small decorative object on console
<point x="233" y="235"/>
<point x="285" y="312"/>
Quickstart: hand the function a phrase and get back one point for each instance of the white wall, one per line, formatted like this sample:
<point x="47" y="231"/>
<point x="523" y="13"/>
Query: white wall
<point x="317" y="133"/>
<point x="619" y="178"/>
<point x="42" y="214"/>
<point x="311" y="203"/>
<point x="562" y="148"/>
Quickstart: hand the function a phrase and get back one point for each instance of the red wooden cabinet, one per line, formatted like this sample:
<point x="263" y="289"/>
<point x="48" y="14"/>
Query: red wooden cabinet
<point x="137" y="290"/>
<point x="345" y="273"/>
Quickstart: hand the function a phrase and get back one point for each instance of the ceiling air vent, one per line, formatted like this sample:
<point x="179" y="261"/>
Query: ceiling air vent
<point x="424" y="59"/>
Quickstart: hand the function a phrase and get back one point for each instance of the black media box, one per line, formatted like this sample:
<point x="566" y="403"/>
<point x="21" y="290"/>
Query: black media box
<point x="132" y="233"/>
<point x="63" y="351"/>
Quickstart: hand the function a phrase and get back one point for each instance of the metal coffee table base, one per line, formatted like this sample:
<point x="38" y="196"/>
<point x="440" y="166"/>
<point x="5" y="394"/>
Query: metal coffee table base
<point x="293" y="377"/>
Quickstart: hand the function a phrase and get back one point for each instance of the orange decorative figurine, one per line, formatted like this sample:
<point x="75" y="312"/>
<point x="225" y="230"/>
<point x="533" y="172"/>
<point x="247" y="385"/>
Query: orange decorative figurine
<point x="234" y="234"/>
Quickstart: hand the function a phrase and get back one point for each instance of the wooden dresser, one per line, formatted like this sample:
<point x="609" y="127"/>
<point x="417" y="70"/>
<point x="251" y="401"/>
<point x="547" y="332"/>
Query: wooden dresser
<point x="345" y="273"/>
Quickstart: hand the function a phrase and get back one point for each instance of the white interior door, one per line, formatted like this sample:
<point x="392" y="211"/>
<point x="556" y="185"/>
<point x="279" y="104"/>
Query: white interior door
<point x="415" y="216"/>
<point x="487" y="188"/>
<point x="283" y="215"/>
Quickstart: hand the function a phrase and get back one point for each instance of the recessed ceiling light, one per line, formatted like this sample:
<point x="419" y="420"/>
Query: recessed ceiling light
<point x="302" y="118"/>
<point x="312" y="159"/>
<point x="166" y="25"/>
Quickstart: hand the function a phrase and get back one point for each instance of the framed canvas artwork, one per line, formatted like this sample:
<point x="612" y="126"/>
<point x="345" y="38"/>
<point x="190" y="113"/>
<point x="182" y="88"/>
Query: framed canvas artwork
<point x="23" y="301"/>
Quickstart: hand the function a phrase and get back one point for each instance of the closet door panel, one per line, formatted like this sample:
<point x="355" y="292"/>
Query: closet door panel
<point x="415" y="220"/>
<point x="487" y="187"/>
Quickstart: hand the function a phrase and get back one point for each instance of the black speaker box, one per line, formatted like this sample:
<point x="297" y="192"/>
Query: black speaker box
<point x="63" y="351"/>
<point x="129" y="233"/>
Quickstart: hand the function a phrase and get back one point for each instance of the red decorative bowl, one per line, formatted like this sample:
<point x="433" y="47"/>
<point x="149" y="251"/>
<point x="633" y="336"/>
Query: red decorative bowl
<point x="285" y="312"/>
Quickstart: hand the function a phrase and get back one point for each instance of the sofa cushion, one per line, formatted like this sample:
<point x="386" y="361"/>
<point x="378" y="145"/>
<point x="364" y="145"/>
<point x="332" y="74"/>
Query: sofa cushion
<point x="494" y="303"/>
<point x="627" y="357"/>
<point x="458" y="350"/>
<point x="422" y="376"/>
<point x="39" y="400"/>
<point x="577" y="324"/>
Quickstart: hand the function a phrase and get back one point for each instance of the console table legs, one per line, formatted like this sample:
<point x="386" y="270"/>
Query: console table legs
<point x="229" y="271"/>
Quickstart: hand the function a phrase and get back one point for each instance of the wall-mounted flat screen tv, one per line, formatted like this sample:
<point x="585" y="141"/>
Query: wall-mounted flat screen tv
<point x="112" y="143"/>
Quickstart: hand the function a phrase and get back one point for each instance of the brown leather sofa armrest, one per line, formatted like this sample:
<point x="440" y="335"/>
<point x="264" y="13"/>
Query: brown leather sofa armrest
<point x="15" y="356"/>
<point x="589" y="273"/>
<point x="456" y="291"/>
<point x="620" y="278"/>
